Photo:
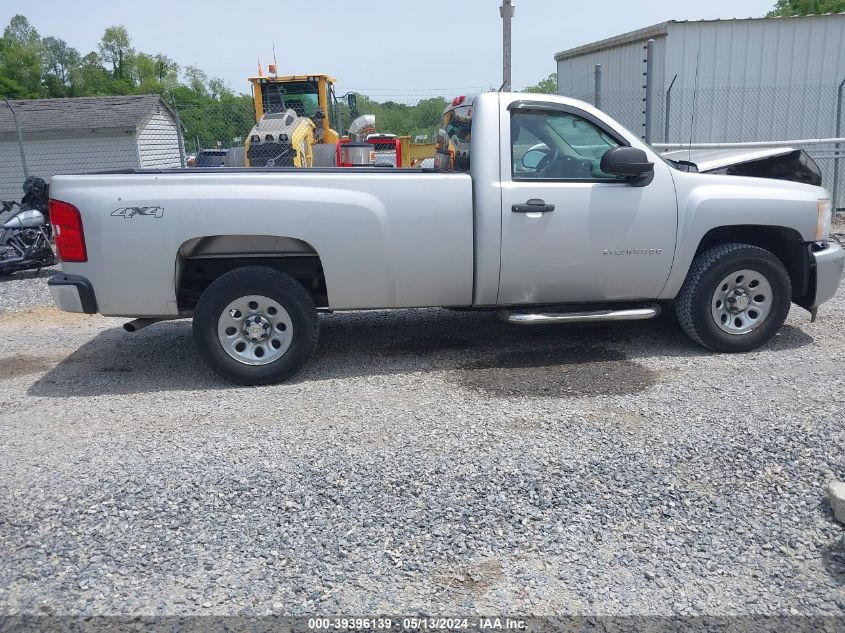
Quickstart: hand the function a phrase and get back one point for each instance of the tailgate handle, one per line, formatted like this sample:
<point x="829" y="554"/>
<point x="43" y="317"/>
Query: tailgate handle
<point x="535" y="205"/>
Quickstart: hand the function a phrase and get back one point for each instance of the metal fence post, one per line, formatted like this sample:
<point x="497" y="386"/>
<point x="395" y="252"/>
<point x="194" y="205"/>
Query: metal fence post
<point x="597" y="90"/>
<point x="180" y="137"/>
<point x="649" y="88"/>
<point x="668" y="110"/>
<point x="20" y="139"/>
<point x="838" y="134"/>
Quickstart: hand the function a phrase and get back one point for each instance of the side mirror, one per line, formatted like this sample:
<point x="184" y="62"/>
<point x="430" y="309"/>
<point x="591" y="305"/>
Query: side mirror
<point x="630" y="162"/>
<point x="532" y="158"/>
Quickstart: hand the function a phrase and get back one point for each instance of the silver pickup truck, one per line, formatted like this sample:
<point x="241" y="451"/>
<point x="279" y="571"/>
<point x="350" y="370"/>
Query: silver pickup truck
<point x="541" y="207"/>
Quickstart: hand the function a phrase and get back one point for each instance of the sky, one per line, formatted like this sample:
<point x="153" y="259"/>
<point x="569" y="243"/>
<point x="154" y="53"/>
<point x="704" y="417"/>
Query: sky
<point x="400" y="50"/>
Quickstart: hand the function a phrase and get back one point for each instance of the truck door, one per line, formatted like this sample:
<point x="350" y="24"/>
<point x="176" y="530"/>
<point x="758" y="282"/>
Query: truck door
<point x="571" y="233"/>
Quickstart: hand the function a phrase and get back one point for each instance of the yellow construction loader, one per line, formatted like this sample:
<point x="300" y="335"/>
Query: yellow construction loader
<point x="293" y="121"/>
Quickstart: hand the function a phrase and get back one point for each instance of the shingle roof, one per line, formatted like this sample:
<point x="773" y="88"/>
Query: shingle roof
<point x="78" y="114"/>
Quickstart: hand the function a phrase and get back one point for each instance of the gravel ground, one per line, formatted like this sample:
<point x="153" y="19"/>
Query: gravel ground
<point x="424" y="461"/>
<point x="26" y="289"/>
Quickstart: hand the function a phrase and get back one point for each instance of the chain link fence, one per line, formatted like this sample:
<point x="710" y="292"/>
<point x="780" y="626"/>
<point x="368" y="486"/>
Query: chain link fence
<point x="732" y="114"/>
<point x="45" y="137"/>
<point x="738" y="114"/>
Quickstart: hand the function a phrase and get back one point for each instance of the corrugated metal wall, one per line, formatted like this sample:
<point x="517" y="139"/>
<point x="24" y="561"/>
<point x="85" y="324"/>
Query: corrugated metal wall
<point x="771" y="52"/>
<point x="623" y="78"/>
<point x="757" y="80"/>
<point x="763" y="79"/>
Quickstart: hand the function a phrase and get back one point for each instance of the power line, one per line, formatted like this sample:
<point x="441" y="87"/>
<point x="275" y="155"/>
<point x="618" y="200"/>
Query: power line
<point x="417" y="90"/>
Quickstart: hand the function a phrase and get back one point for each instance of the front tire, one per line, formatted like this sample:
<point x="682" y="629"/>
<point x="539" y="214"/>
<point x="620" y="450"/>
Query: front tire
<point x="735" y="298"/>
<point x="255" y="326"/>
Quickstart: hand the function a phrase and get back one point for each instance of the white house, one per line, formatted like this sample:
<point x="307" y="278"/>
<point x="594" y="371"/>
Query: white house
<point x="85" y="134"/>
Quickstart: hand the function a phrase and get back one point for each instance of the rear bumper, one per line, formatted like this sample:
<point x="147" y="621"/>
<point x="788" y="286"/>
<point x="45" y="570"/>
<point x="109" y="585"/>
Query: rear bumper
<point x="72" y="293"/>
<point x="826" y="273"/>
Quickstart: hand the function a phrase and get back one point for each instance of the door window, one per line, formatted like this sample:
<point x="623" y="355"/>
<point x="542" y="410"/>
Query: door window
<point x="558" y="146"/>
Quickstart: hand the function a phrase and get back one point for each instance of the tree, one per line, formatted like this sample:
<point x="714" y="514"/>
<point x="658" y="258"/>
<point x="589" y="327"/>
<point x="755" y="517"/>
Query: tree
<point x="197" y="80"/>
<point x="20" y="59"/>
<point x="58" y="61"/>
<point x="11" y="89"/>
<point x="167" y="71"/>
<point x="89" y="78"/>
<point x="116" y="49"/>
<point x="145" y="74"/>
<point x="785" y="8"/>
<point x="217" y="87"/>
<point x="20" y="32"/>
<point x="546" y="86"/>
<point x="211" y="112"/>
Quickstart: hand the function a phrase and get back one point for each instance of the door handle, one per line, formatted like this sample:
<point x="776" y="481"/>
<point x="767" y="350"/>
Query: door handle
<point x="535" y="205"/>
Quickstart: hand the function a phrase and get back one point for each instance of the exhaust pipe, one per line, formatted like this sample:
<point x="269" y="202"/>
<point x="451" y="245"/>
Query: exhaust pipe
<point x="139" y="324"/>
<point x="363" y="125"/>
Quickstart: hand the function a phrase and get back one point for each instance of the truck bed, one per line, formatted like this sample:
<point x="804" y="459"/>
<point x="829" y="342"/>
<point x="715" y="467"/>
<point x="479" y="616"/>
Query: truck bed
<point x="384" y="237"/>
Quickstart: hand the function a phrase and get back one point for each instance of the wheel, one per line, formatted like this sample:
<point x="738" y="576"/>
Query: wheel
<point x="255" y="326"/>
<point x="735" y="298"/>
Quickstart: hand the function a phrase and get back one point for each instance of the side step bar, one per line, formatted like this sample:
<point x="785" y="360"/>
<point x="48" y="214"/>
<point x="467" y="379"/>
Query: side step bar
<point x="544" y="318"/>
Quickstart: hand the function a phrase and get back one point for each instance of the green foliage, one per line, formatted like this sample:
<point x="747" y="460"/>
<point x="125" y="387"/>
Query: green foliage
<point x="21" y="33"/>
<point x="20" y="58"/>
<point x="546" y="86"/>
<point x="33" y="67"/>
<point x="10" y="89"/>
<point x="89" y="78"/>
<point x="423" y="118"/>
<point x="58" y="60"/>
<point x="209" y="122"/>
<point x="785" y="8"/>
<point x="197" y="80"/>
<point x="116" y="49"/>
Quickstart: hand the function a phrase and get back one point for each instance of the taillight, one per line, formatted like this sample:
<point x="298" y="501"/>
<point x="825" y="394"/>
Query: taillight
<point x="67" y="231"/>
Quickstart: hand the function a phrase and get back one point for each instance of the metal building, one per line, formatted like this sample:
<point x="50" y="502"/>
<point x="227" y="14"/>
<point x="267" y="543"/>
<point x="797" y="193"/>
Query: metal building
<point x="84" y="134"/>
<point x="722" y="81"/>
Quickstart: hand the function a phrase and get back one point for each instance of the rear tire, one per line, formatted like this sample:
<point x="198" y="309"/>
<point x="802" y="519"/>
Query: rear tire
<point x="735" y="298"/>
<point x="255" y="326"/>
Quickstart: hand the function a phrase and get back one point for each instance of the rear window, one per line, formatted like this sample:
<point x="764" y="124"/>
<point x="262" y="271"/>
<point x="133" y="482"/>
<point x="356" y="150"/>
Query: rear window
<point x="453" y="139"/>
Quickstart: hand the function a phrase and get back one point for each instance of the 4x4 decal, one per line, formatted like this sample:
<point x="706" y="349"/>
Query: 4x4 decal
<point x="131" y="212"/>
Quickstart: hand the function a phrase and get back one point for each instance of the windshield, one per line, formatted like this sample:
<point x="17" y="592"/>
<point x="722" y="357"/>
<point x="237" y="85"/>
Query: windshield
<point x="301" y="96"/>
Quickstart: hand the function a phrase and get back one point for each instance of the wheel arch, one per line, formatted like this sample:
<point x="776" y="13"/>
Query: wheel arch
<point x="202" y="259"/>
<point x="783" y="242"/>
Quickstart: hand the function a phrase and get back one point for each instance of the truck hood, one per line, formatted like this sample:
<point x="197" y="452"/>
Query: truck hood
<point x="780" y="163"/>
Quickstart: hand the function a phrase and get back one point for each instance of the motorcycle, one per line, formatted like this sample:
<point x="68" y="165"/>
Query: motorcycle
<point x="25" y="231"/>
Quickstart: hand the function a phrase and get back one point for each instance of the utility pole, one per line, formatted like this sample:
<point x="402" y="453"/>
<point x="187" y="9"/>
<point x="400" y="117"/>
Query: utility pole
<point x="506" y="11"/>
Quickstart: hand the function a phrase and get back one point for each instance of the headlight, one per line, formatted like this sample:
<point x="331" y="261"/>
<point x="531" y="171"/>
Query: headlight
<point x="825" y="209"/>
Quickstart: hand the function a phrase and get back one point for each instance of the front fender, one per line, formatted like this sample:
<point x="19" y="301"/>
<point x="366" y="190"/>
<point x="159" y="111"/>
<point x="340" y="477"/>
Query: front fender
<point x="707" y="201"/>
